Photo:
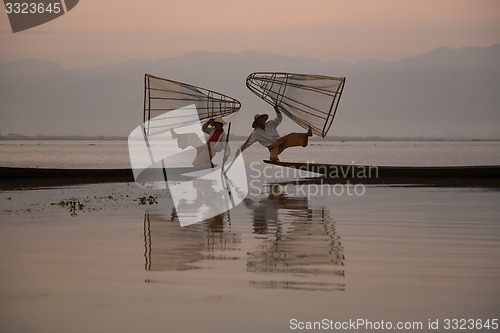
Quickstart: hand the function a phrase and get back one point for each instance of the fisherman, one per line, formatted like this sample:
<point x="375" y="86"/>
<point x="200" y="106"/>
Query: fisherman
<point x="266" y="133"/>
<point x="214" y="127"/>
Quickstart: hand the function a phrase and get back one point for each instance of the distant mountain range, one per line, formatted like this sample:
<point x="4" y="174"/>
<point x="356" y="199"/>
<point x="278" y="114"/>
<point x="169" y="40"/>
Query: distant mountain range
<point x="443" y="93"/>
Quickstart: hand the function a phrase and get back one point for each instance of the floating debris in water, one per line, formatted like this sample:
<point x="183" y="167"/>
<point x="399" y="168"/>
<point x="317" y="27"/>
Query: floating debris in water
<point x="148" y="199"/>
<point x="73" y="205"/>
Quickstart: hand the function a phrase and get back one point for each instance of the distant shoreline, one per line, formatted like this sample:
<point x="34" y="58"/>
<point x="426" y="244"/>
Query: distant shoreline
<point x="15" y="137"/>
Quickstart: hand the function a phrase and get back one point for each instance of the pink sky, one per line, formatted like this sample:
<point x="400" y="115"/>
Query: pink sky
<point x="107" y="31"/>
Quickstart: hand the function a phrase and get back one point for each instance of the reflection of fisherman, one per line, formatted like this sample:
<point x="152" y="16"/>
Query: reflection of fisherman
<point x="199" y="199"/>
<point x="266" y="133"/>
<point x="204" y="152"/>
<point x="195" y="196"/>
<point x="265" y="210"/>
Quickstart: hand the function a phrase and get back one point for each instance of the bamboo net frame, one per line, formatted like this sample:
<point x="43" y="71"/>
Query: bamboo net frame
<point x="309" y="100"/>
<point x="163" y="95"/>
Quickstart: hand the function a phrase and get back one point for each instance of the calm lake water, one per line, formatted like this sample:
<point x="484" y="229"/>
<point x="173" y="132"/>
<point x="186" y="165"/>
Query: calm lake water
<point x="114" y="154"/>
<point x="394" y="253"/>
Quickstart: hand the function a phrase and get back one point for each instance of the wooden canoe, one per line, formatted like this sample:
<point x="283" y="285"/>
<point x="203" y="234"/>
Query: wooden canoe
<point x="19" y="177"/>
<point x="346" y="171"/>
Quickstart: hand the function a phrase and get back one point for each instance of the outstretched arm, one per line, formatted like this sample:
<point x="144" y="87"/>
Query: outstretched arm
<point x="246" y="144"/>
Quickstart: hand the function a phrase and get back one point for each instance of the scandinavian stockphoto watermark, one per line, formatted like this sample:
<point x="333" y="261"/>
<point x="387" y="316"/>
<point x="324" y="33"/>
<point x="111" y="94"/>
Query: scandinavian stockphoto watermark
<point x="335" y="180"/>
<point x="24" y="15"/>
<point x="363" y="324"/>
<point x="203" y="180"/>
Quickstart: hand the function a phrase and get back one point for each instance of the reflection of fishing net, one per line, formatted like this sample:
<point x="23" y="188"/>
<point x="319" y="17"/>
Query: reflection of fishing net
<point x="162" y="96"/>
<point x="309" y="100"/>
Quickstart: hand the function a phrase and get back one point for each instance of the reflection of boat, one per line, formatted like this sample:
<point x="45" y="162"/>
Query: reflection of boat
<point x="346" y="171"/>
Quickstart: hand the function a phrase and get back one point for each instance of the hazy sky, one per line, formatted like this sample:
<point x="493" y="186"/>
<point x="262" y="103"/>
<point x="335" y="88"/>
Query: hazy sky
<point x="107" y="31"/>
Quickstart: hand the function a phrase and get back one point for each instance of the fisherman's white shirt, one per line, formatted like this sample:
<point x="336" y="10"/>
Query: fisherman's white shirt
<point x="267" y="135"/>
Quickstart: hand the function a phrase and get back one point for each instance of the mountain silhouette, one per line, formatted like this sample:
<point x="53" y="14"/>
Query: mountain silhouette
<point x="445" y="92"/>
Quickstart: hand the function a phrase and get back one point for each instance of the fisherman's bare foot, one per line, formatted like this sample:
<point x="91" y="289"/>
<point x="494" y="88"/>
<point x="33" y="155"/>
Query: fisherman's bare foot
<point x="310" y="131"/>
